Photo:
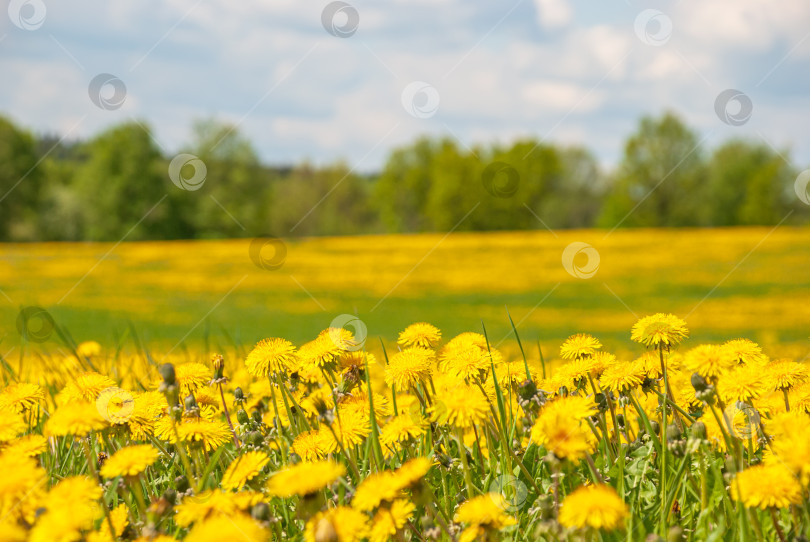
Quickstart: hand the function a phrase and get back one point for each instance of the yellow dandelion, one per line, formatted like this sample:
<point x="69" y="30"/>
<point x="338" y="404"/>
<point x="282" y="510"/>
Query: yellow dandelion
<point x="659" y="330"/>
<point x="21" y="477"/>
<point x="310" y="446"/>
<point x="88" y="349"/>
<point x="232" y="527"/>
<point x="412" y="471"/>
<point x="129" y="461"/>
<point x="339" y="524"/>
<point x="21" y="397"/>
<point x="400" y="429"/>
<point x="387" y="522"/>
<point x="766" y="486"/>
<point x="304" y="478"/>
<point x="708" y="360"/>
<point x="408" y="368"/>
<point x="595" y="506"/>
<point x="377" y="489"/>
<point x="742" y="384"/>
<point x="467" y="339"/>
<point x="244" y="468"/>
<point x="351" y="428"/>
<point x="745" y="352"/>
<point x="213" y="503"/>
<point x="76" y="419"/>
<point x="466" y="363"/>
<point x="192" y="376"/>
<point x="147" y="408"/>
<point x="461" y="407"/>
<point x="622" y="376"/>
<point x="270" y="356"/>
<point x="11" y="425"/>
<point x="321" y="352"/>
<point x="420" y="334"/>
<point x="85" y="388"/>
<point x="562" y="434"/>
<point x="785" y="374"/>
<point x="119" y="517"/>
<point x="29" y="445"/>
<point x="578" y="346"/>
<point x="486" y="510"/>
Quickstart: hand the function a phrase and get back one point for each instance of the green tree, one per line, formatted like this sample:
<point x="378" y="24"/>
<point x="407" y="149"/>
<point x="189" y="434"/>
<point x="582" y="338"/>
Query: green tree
<point x="748" y="183"/>
<point x="20" y="182"/>
<point x="659" y="181"/>
<point x="121" y="184"/>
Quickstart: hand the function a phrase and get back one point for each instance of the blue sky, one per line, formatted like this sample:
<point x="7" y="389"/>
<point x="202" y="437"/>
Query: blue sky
<point x="566" y="71"/>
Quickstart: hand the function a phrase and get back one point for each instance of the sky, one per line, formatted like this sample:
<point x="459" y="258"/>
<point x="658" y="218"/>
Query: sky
<point x="325" y="81"/>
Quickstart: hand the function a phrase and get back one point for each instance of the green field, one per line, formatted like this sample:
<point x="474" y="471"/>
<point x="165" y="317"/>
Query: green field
<point x="751" y="282"/>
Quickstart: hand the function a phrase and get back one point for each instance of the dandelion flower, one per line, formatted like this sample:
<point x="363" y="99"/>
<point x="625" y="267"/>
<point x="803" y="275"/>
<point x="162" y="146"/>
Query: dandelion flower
<point x="766" y="486"/>
<point x="11" y="425"/>
<point x="486" y="510"/>
<point x="465" y="363"/>
<point x="420" y="334"/>
<point x="622" y="376"/>
<point x="562" y="434"/>
<point x="745" y="352"/>
<point x="304" y="478"/>
<point x="84" y="388"/>
<point x="376" y="489"/>
<point x="388" y="521"/>
<point x="270" y="356"/>
<point x="412" y="471"/>
<point x="785" y="374"/>
<point x="29" y="445"/>
<point x="659" y="330"/>
<point x="21" y="397"/>
<point x="708" y="360"/>
<point x="596" y="506"/>
<point x="212" y="503"/>
<point x="191" y="377"/>
<point x="232" y="527"/>
<point x="352" y="427"/>
<point x="321" y="352"/>
<point x="129" y="461"/>
<point x="400" y="429"/>
<point x="461" y="407"/>
<point x="339" y="524"/>
<point x="743" y="384"/>
<point x="88" y="349"/>
<point x="243" y="468"/>
<point x="119" y="517"/>
<point x="309" y="445"/>
<point x="408" y="368"/>
<point x="76" y="419"/>
<point x="578" y="346"/>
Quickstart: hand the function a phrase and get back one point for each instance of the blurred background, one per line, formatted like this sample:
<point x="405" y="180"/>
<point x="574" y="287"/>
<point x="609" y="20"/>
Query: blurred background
<point x="555" y="157"/>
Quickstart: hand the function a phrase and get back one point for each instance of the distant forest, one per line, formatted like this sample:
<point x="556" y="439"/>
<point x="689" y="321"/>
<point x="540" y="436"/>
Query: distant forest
<point x="118" y="185"/>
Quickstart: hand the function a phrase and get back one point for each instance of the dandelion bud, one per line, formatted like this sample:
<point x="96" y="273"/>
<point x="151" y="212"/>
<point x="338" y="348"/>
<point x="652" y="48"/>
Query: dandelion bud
<point x="699" y="430"/>
<point x="167" y="373"/>
<point x="257" y="416"/>
<point x="675" y="534"/>
<point x="181" y="484"/>
<point x="219" y="366"/>
<point x="242" y="416"/>
<point x="261" y="512"/>
<point x="655" y="426"/>
<point x="238" y="395"/>
<point x="699" y="383"/>
<point x="190" y="402"/>
<point x="170" y="495"/>
<point x="527" y="389"/>
<point x="673" y="432"/>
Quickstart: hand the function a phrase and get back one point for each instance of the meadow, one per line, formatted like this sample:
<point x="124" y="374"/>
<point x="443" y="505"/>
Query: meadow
<point x="207" y="391"/>
<point x="747" y="282"/>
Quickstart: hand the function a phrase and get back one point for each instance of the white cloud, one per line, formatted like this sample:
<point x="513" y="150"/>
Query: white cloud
<point x="553" y="13"/>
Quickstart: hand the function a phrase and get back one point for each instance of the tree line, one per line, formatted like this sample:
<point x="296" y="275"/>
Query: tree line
<point x="117" y="185"/>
